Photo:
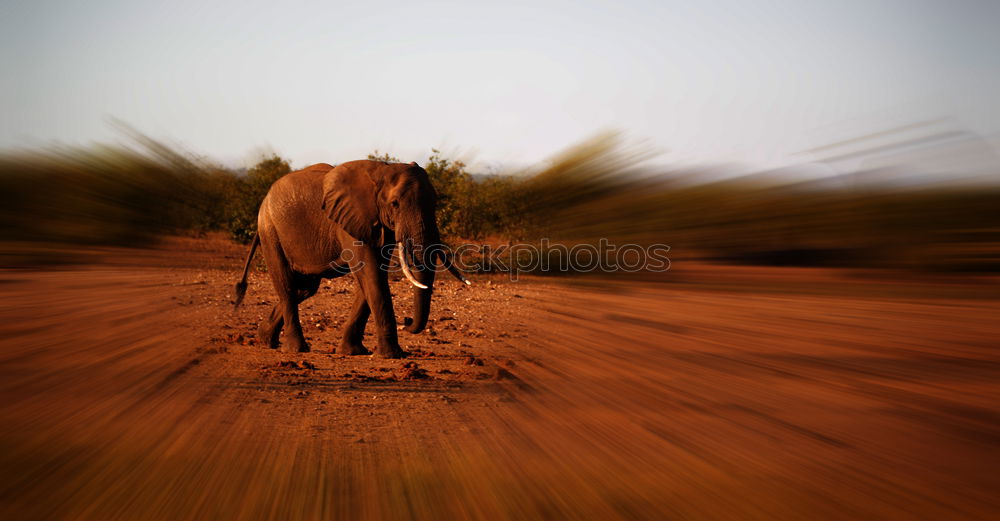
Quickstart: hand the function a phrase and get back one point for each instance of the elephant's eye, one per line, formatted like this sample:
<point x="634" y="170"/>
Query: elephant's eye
<point x="395" y="203"/>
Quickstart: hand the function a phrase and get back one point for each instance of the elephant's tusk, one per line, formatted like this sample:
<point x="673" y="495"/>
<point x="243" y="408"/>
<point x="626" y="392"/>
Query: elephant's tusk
<point x="450" y="266"/>
<point x="406" y="269"/>
<point x="458" y="274"/>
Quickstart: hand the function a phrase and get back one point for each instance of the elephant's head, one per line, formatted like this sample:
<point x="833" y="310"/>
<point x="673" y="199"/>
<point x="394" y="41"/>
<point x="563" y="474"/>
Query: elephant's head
<point x="368" y="198"/>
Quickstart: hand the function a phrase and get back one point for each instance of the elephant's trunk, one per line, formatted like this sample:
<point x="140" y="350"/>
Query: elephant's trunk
<point x="421" y="309"/>
<point x="423" y="271"/>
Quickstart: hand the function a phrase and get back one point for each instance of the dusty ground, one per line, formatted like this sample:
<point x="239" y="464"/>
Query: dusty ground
<point x="131" y="390"/>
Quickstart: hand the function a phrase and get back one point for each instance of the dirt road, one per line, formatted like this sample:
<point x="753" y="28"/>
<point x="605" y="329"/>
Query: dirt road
<point x="131" y="390"/>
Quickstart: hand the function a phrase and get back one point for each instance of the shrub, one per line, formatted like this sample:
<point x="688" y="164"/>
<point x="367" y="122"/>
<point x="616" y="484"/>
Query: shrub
<point x="244" y="198"/>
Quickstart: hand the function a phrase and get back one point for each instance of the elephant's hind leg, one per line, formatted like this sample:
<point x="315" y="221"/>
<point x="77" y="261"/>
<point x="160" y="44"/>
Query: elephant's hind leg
<point x="292" y="288"/>
<point x="354" y="327"/>
<point x="269" y="330"/>
<point x="304" y="286"/>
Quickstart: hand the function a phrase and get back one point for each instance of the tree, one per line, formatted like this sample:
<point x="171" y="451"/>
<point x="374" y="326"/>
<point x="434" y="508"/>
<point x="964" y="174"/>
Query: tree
<point x="375" y="156"/>
<point x="455" y="189"/>
<point x="248" y="194"/>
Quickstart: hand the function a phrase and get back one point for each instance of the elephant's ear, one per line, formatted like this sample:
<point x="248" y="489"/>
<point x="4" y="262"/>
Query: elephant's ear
<point x="349" y="199"/>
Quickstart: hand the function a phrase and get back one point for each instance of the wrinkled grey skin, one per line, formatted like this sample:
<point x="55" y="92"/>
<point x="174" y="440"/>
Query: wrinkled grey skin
<point x="319" y="222"/>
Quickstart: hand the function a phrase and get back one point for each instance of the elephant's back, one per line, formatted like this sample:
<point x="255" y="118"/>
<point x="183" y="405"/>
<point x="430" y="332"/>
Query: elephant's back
<point x="309" y="179"/>
<point x="296" y="194"/>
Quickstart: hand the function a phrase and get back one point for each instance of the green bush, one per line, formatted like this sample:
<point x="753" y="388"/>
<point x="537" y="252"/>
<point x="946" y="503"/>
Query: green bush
<point x="245" y="196"/>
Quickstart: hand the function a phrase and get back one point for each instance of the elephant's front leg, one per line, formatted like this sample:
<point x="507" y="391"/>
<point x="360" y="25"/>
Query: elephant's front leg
<point x="374" y="282"/>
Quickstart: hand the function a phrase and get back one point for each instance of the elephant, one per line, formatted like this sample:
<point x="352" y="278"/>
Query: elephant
<point x="324" y="222"/>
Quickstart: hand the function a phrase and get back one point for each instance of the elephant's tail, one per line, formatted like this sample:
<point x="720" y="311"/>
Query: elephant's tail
<point x="241" y="286"/>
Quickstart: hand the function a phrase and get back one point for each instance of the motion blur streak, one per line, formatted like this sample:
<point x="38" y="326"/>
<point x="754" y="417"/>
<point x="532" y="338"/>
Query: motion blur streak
<point x="823" y="346"/>
<point x="129" y="392"/>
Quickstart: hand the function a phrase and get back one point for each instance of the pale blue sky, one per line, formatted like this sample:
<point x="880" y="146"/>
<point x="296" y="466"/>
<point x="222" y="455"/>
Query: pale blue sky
<point x="509" y="83"/>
